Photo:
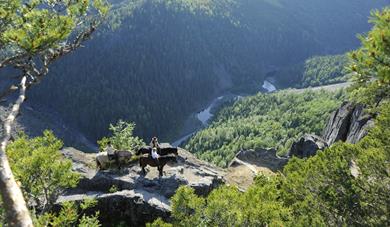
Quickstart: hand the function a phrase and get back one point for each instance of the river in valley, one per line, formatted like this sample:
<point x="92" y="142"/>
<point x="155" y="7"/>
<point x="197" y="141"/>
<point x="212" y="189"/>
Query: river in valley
<point x="203" y="117"/>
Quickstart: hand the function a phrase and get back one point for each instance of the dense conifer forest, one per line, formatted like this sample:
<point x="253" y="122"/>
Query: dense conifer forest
<point x="314" y="71"/>
<point x="155" y="62"/>
<point x="264" y="121"/>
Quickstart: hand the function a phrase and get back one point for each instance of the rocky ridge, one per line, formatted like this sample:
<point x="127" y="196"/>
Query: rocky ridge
<point x="350" y="123"/>
<point x="129" y="196"/>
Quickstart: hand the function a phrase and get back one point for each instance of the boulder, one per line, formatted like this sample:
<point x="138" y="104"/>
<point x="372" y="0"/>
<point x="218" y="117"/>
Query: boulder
<point x="132" y="198"/>
<point x="307" y="146"/>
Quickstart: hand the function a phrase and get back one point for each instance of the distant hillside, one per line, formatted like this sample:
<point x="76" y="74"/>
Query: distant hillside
<point x="315" y="71"/>
<point x="155" y="62"/>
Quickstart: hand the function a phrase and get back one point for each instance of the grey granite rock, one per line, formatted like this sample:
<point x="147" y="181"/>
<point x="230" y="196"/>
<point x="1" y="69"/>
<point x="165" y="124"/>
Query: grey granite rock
<point x="138" y="199"/>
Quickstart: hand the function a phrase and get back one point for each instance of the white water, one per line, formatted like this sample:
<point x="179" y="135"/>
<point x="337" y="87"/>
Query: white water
<point x="205" y="115"/>
<point x="268" y="86"/>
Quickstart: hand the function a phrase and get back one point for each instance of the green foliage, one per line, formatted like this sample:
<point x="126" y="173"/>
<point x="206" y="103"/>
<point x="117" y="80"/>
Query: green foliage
<point x="41" y="169"/>
<point x="113" y="189"/>
<point x="186" y="206"/>
<point x="29" y="27"/>
<point x="319" y="191"/>
<point x="122" y="137"/>
<point x="70" y="214"/>
<point x="325" y="183"/>
<point x="159" y="223"/>
<point x="227" y="206"/>
<point x="324" y="70"/>
<point x="264" y="121"/>
<point x="315" y="71"/>
<point x="371" y="63"/>
<point x="44" y="174"/>
<point x="202" y="7"/>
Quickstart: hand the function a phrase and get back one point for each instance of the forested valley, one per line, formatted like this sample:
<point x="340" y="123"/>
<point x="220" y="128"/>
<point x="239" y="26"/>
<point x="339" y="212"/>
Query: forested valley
<point x="155" y="62"/>
<point x="314" y="151"/>
<point x="344" y="184"/>
<point x="264" y="121"/>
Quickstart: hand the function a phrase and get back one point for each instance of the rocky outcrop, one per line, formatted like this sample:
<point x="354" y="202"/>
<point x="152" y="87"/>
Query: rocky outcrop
<point x="359" y="125"/>
<point x="247" y="164"/>
<point x="128" y="196"/>
<point x="349" y="123"/>
<point x="338" y="125"/>
<point x="125" y="207"/>
<point x="307" y="146"/>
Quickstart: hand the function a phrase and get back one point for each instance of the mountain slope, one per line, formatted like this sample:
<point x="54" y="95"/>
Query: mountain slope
<point x="155" y="62"/>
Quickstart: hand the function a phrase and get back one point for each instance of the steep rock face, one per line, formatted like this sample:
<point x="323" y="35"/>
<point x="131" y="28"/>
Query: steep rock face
<point x="127" y="195"/>
<point x="360" y="124"/>
<point x="349" y="123"/>
<point x="128" y="207"/>
<point x="338" y="125"/>
<point x="307" y="146"/>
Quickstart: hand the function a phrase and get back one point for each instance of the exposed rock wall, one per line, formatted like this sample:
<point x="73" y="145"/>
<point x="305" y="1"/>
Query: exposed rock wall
<point x="359" y="125"/>
<point x="338" y="125"/>
<point x="350" y="123"/>
<point x="125" y="207"/>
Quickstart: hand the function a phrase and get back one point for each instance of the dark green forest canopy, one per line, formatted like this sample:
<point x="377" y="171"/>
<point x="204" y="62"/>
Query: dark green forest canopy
<point x="158" y="61"/>
<point x="325" y="70"/>
<point x="315" y="71"/>
<point x="264" y="121"/>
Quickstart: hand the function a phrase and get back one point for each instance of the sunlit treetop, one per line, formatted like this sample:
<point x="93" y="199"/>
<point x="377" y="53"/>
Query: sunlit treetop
<point x="37" y="25"/>
<point x="371" y="63"/>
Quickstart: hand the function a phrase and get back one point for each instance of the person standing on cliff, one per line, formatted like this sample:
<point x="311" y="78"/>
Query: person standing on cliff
<point x="155" y="146"/>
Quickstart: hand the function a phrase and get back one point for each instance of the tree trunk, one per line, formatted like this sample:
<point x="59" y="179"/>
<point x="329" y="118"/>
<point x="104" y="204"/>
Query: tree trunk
<point x="16" y="210"/>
